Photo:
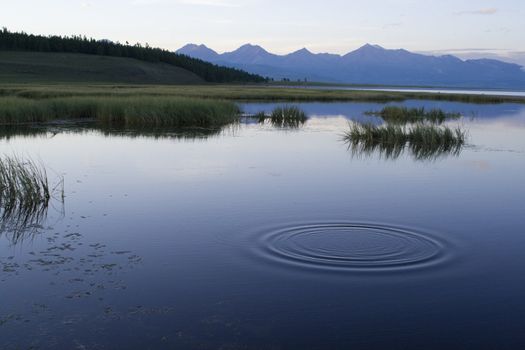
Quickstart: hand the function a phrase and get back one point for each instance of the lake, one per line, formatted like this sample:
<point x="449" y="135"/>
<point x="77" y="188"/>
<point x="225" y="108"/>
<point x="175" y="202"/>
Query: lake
<point x="457" y="91"/>
<point x="258" y="237"/>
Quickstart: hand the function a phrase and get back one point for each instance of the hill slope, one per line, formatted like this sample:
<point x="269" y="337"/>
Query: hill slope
<point x="27" y="67"/>
<point x="370" y="64"/>
<point x="13" y="41"/>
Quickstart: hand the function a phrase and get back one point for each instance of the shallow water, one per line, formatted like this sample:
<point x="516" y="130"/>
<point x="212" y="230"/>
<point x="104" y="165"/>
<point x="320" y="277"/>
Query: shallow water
<point x="257" y="237"/>
<point x="490" y="92"/>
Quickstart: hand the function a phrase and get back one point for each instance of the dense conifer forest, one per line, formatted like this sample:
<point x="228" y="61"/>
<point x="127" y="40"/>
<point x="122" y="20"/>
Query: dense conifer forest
<point x="21" y="41"/>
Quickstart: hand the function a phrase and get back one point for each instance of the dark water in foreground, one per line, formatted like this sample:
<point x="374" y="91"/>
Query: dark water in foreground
<point x="258" y="238"/>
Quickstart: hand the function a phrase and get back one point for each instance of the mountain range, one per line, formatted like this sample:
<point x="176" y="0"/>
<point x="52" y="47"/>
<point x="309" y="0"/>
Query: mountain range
<point x="370" y="64"/>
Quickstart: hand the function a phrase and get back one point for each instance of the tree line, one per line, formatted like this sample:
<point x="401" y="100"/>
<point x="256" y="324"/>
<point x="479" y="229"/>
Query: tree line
<point x="20" y="41"/>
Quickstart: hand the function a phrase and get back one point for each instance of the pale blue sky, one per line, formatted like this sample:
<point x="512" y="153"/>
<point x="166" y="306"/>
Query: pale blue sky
<point x="464" y="27"/>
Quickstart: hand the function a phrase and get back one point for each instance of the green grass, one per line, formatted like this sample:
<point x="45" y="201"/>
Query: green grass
<point x="22" y="184"/>
<point x="403" y="115"/>
<point x="260" y="116"/>
<point x="187" y="106"/>
<point x="7" y="132"/>
<point x="120" y="111"/>
<point x="142" y="131"/>
<point x="234" y="92"/>
<point x="24" y="196"/>
<point x="284" y="117"/>
<point x="38" y="67"/>
<point x="422" y="141"/>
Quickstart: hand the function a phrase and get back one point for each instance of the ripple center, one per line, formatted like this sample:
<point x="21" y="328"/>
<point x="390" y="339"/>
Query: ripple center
<point x="350" y="246"/>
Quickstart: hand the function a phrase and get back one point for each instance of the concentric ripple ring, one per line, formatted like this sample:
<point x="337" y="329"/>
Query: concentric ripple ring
<point x="351" y="246"/>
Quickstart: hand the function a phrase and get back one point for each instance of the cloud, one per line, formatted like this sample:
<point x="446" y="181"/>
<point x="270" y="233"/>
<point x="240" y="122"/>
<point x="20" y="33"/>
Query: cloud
<point x="483" y="12"/>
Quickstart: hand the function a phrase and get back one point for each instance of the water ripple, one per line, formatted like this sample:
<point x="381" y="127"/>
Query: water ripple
<point x="351" y="247"/>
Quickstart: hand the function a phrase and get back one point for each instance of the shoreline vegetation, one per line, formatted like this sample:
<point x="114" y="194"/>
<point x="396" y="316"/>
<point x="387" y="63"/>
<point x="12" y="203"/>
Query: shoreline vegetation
<point x="206" y="106"/>
<point x="124" y="111"/>
<point x="238" y="93"/>
<point x="192" y="106"/>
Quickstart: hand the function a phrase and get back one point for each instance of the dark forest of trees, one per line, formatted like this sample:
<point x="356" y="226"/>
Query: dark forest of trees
<point x="80" y="44"/>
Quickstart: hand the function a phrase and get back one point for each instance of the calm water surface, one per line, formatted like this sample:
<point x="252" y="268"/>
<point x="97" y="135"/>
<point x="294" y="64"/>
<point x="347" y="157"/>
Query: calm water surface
<point x="494" y="92"/>
<point x="264" y="238"/>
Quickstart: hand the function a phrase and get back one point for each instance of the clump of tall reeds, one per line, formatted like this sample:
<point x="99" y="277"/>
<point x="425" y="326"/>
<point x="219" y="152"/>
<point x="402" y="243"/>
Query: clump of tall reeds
<point x="24" y="195"/>
<point x="423" y="141"/>
<point x="404" y="115"/>
<point x="288" y="116"/>
<point x="23" y="184"/>
<point x="121" y="111"/>
<point x="261" y="116"/>
<point x="284" y="117"/>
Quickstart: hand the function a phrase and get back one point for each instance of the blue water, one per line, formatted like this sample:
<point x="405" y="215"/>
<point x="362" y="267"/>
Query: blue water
<point x="265" y="238"/>
<point x="490" y="92"/>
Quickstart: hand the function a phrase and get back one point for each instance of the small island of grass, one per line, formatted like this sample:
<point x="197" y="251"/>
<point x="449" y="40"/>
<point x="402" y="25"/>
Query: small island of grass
<point x="404" y="115"/>
<point x="423" y="141"/>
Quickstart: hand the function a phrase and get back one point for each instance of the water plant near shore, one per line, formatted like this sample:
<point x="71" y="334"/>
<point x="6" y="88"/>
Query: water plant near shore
<point x="425" y="142"/>
<point x="25" y="194"/>
<point x="121" y="111"/>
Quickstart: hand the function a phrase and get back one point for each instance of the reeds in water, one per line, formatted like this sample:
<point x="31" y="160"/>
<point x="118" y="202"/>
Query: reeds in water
<point x="425" y="142"/>
<point x="121" y="111"/>
<point x="404" y="115"/>
<point x="284" y="117"/>
<point x="24" y="196"/>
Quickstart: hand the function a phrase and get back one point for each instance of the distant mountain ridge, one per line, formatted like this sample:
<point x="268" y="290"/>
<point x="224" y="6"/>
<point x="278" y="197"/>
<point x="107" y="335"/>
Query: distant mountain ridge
<point x="370" y="64"/>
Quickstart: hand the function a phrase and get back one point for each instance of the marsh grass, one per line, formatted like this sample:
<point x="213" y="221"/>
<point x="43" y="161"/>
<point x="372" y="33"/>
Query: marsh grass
<point x="144" y="132"/>
<point x="25" y="194"/>
<point x="237" y="93"/>
<point x="261" y="116"/>
<point x="184" y="134"/>
<point x="424" y="142"/>
<point x="284" y="117"/>
<point x="120" y="111"/>
<point x="7" y="132"/>
<point x="404" y="115"/>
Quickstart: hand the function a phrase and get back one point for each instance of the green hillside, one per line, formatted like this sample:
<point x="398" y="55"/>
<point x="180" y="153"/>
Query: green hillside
<point x="32" y="67"/>
<point x="23" y="42"/>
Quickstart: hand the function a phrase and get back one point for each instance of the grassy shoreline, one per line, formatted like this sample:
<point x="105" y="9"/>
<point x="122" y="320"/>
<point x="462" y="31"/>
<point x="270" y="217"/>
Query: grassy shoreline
<point x="238" y="93"/>
<point x="120" y="111"/>
<point x="180" y="106"/>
